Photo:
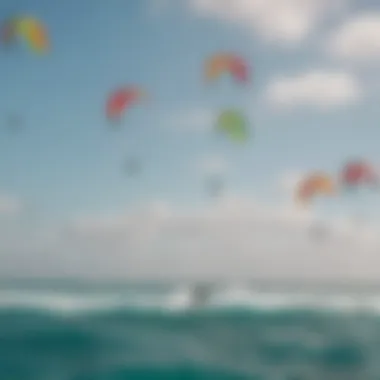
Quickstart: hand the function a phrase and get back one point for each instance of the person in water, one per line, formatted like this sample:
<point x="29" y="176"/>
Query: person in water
<point x="201" y="294"/>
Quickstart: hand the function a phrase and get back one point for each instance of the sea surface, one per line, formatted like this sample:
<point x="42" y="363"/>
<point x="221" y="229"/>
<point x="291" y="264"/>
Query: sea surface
<point x="72" y="331"/>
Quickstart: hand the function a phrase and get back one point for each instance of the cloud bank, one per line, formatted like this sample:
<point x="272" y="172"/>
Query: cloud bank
<point x="231" y="238"/>
<point x="315" y="88"/>
<point x="283" y="21"/>
<point x="357" y="40"/>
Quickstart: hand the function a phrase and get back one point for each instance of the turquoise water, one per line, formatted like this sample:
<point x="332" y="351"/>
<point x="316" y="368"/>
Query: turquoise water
<point x="149" y="332"/>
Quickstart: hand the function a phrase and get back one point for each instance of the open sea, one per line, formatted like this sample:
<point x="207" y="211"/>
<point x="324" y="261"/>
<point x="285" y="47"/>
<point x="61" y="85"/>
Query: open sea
<point x="75" y="331"/>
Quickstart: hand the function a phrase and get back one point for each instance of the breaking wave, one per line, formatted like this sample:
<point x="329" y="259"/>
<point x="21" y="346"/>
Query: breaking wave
<point x="152" y="332"/>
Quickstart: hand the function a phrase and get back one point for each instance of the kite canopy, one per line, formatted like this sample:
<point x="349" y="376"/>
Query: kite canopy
<point x="214" y="185"/>
<point x="29" y="29"/>
<point x="233" y="124"/>
<point x="220" y="64"/>
<point x="132" y="166"/>
<point x="8" y="31"/>
<point x="314" y="185"/>
<point x="358" y="174"/>
<point x="14" y="123"/>
<point x="319" y="232"/>
<point x="122" y="99"/>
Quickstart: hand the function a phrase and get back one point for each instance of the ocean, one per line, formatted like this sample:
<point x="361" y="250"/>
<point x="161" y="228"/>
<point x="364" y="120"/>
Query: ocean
<point x="72" y="331"/>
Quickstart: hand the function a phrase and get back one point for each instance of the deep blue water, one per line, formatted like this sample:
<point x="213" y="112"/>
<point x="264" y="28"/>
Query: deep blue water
<point x="150" y="334"/>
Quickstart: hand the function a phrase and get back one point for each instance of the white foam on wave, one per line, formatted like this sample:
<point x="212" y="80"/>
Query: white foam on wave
<point x="181" y="299"/>
<point x="55" y="301"/>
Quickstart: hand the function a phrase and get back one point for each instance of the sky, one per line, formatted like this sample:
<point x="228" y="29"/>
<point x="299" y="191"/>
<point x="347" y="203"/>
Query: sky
<point x="67" y="208"/>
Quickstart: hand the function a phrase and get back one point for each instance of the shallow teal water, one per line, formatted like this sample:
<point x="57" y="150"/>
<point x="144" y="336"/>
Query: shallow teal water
<point x="125" y="342"/>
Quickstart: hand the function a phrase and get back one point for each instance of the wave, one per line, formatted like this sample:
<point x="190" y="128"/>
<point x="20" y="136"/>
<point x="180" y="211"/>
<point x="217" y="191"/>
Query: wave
<point x="149" y="333"/>
<point x="180" y="299"/>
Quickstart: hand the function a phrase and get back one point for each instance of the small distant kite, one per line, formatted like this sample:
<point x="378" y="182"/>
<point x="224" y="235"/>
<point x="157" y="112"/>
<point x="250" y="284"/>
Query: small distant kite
<point x="223" y="63"/>
<point x="234" y="125"/>
<point x="314" y="185"/>
<point x="14" y="123"/>
<point x="28" y="29"/>
<point x="122" y="99"/>
<point x="319" y="232"/>
<point x="358" y="174"/>
<point x="132" y="166"/>
<point x="214" y="185"/>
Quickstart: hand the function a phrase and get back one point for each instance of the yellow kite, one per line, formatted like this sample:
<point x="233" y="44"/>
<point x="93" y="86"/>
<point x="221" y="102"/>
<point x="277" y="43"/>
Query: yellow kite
<point x="30" y="30"/>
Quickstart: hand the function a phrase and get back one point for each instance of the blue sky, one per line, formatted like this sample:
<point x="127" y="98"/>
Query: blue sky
<point x="68" y="162"/>
<point x="68" y="159"/>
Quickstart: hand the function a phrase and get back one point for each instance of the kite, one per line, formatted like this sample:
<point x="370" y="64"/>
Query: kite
<point x="319" y="232"/>
<point x="359" y="173"/>
<point x="14" y="123"/>
<point x="313" y="186"/>
<point x="233" y="124"/>
<point x="214" y="185"/>
<point x="122" y="99"/>
<point x="356" y="176"/>
<point x="8" y="31"/>
<point x="132" y="166"/>
<point x="28" y="29"/>
<point x="220" y="64"/>
<point x="316" y="184"/>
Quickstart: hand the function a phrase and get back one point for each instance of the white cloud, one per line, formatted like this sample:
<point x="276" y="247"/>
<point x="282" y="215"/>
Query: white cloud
<point x="9" y="205"/>
<point x="230" y="238"/>
<point x="194" y="120"/>
<point x="318" y="88"/>
<point x="127" y="225"/>
<point x="358" y="39"/>
<point x="289" y="181"/>
<point x="277" y="20"/>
